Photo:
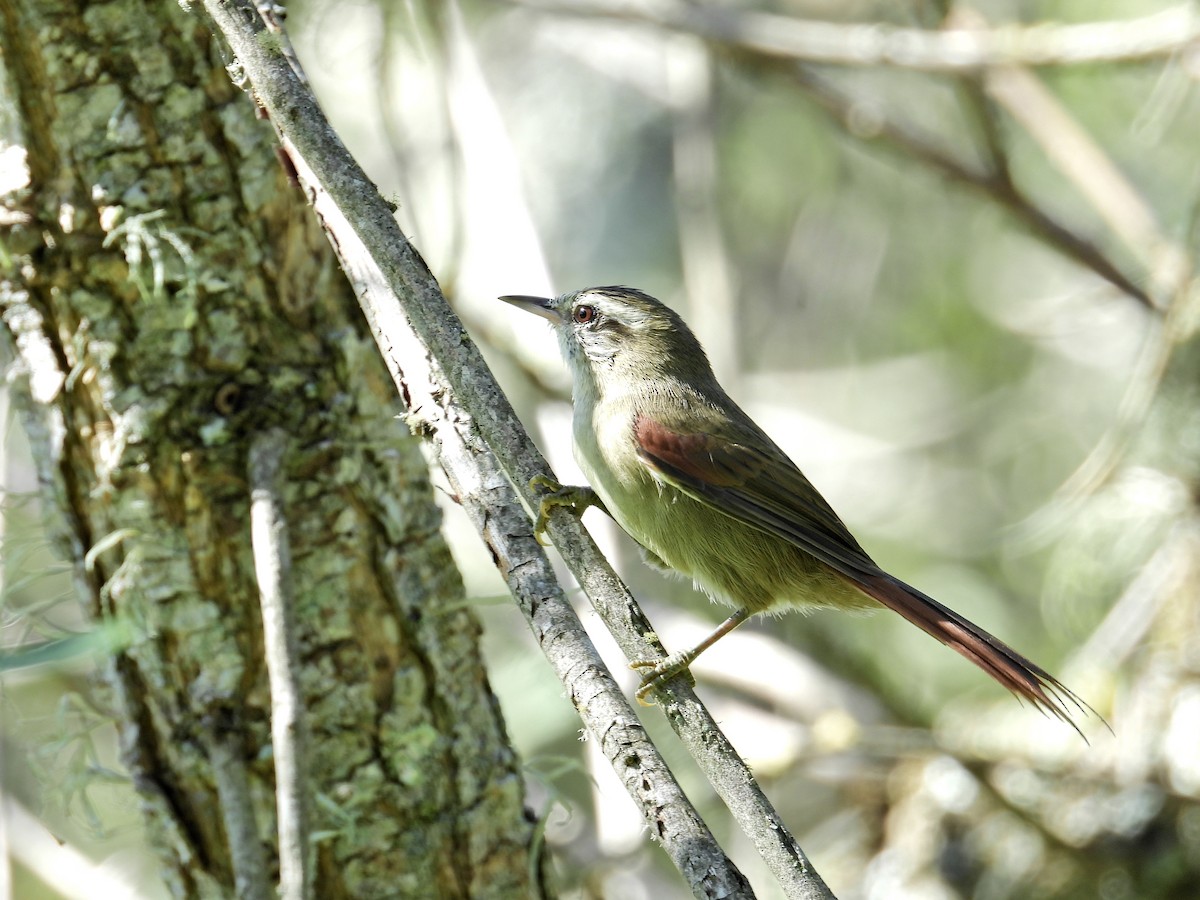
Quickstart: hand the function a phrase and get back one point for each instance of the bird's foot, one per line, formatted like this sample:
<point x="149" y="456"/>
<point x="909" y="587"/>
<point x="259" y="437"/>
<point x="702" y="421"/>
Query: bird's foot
<point x="577" y="498"/>
<point x="656" y="672"/>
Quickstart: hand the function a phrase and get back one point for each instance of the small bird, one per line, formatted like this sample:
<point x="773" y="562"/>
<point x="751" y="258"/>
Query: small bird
<point x="706" y="493"/>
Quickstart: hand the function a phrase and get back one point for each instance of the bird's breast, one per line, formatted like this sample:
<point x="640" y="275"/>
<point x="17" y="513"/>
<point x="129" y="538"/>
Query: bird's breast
<point x="606" y="451"/>
<point x="646" y="508"/>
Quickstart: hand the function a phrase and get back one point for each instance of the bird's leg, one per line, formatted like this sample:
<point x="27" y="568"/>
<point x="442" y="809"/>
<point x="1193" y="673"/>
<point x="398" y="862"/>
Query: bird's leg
<point x="575" y="497"/>
<point x="656" y="671"/>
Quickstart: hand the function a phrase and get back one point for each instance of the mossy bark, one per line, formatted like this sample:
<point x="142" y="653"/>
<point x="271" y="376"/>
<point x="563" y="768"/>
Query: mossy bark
<point x="169" y="297"/>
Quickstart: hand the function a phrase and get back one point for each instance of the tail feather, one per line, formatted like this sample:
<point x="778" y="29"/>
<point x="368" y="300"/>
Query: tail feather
<point x="993" y="656"/>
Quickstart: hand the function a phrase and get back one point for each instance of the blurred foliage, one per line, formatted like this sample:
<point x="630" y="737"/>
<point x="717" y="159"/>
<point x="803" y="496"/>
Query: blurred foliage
<point x="943" y="370"/>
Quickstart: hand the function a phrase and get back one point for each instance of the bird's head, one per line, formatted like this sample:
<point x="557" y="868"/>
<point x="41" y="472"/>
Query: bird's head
<point x="619" y="333"/>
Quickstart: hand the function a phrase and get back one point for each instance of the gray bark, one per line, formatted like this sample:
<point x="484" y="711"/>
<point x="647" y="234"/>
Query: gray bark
<point x="169" y="299"/>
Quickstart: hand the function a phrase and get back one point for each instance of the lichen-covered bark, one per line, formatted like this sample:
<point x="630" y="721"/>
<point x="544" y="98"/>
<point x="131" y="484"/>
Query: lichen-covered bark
<point x="169" y="297"/>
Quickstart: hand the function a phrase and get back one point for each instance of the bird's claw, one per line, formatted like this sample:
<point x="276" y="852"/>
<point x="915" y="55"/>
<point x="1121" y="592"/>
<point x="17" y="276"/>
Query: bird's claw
<point x="656" y="672"/>
<point x="573" y="497"/>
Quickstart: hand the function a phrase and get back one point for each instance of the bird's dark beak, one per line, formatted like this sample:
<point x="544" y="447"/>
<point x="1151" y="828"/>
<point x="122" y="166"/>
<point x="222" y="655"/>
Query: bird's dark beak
<point x="539" y="306"/>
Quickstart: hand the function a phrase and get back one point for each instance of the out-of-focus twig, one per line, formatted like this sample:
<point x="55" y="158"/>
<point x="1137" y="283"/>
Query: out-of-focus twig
<point x="1084" y="162"/>
<point x="868" y="123"/>
<point x="1076" y="154"/>
<point x="1098" y="466"/>
<point x="1135" y="611"/>
<point x="57" y="863"/>
<point x="707" y="274"/>
<point x="405" y="32"/>
<point x="1175" y="327"/>
<point x="1163" y="34"/>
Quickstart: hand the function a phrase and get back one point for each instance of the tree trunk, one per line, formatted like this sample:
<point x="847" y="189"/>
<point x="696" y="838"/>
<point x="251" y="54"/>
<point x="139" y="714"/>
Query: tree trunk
<point x="169" y="298"/>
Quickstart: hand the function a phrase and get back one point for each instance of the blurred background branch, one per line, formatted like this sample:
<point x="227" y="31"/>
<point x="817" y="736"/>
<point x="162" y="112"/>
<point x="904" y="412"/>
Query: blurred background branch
<point x="871" y="124"/>
<point x="1171" y="31"/>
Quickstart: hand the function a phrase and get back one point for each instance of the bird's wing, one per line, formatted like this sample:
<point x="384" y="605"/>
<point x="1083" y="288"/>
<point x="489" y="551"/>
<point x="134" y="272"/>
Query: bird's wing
<point x="762" y="488"/>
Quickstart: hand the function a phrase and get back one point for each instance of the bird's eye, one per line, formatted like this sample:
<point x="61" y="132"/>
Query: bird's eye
<point x="584" y="314"/>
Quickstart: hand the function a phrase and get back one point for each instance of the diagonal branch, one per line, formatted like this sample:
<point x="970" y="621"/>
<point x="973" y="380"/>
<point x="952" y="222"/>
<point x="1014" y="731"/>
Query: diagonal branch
<point x="453" y="399"/>
<point x="997" y="187"/>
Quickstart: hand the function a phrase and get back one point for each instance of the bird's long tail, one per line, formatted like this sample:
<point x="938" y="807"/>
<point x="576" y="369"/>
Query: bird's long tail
<point x="1005" y="665"/>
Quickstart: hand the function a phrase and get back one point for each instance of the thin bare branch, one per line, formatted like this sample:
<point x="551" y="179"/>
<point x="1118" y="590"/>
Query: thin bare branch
<point x="273" y="568"/>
